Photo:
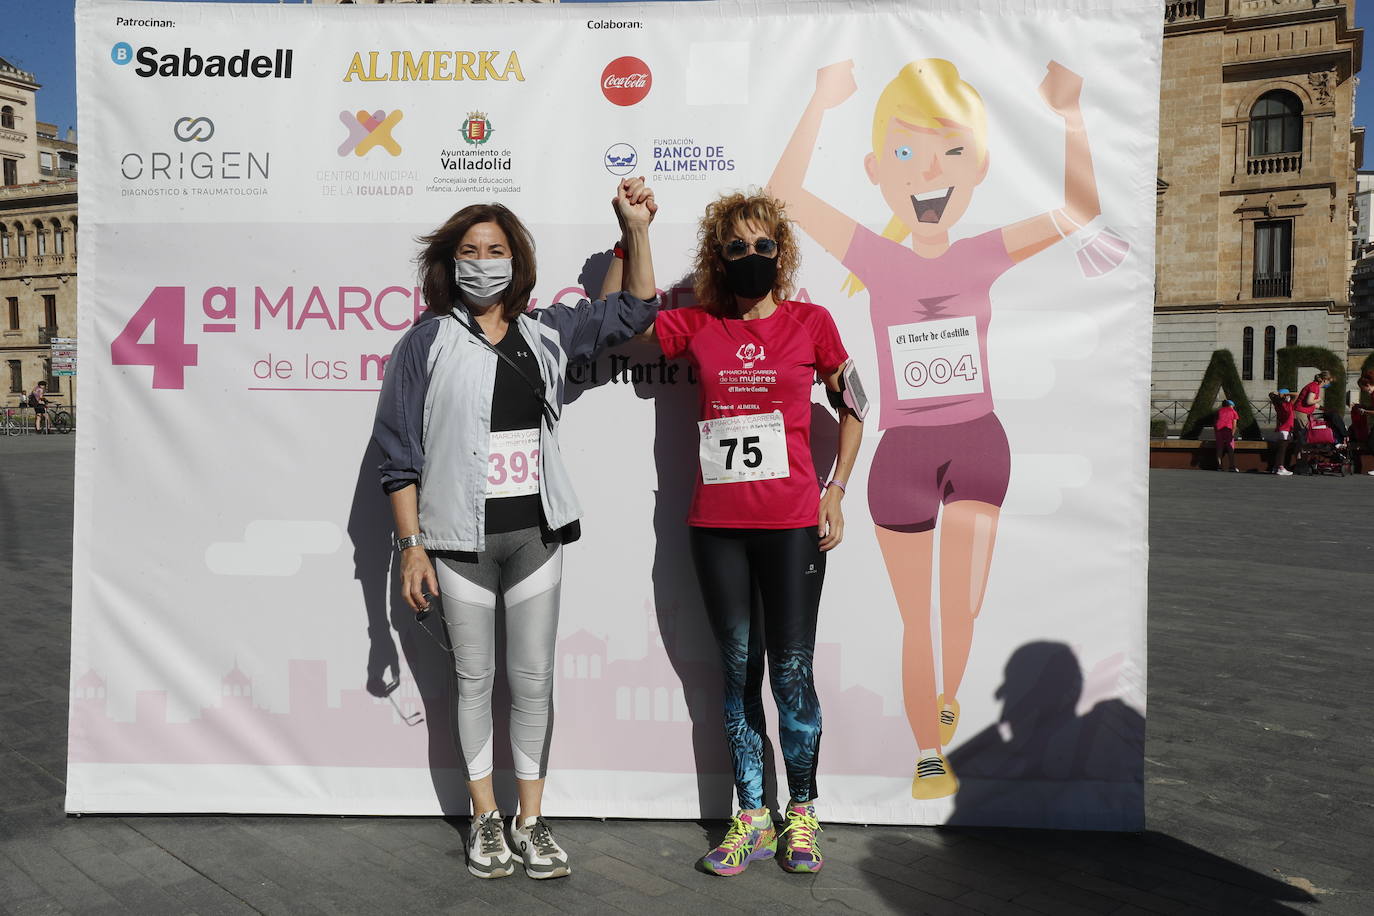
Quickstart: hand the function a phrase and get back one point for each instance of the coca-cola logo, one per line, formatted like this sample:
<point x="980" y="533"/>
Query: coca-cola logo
<point x="626" y="81"/>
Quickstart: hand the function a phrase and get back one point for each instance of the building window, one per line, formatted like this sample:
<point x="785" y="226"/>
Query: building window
<point x="21" y="241"/>
<point x="16" y="379"/>
<point x="7" y="117"/>
<point x="1269" y="339"/>
<point x="59" y="244"/>
<point x="1291" y="338"/>
<point x="13" y="303"/>
<point x="1273" y="258"/>
<point x="1276" y="124"/>
<point x="53" y="386"/>
<point x="4" y="243"/>
<point x="1247" y="354"/>
<point x="40" y="238"/>
<point x="11" y="172"/>
<point x="45" y="161"/>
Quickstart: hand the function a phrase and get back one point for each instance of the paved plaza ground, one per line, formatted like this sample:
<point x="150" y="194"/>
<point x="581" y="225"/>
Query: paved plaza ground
<point x="1259" y="771"/>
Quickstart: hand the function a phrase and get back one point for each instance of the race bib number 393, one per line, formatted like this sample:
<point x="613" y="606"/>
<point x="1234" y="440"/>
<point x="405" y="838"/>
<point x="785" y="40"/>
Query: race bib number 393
<point x="933" y="359"/>
<point x="747" y="447"/>
<point x="513" y="463"/>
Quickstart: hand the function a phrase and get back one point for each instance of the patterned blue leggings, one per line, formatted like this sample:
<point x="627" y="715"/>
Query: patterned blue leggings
<point x="787" y="569"/>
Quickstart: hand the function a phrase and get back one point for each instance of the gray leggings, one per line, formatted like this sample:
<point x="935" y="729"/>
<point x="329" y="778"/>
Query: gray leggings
<point x="525" y="568"/>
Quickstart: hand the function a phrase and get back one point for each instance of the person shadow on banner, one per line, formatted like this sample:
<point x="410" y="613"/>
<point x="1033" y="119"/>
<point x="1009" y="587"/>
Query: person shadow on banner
<point x="424" y="646"/>
<point x="1043" y="765"/>
<point x="683" y="631"/>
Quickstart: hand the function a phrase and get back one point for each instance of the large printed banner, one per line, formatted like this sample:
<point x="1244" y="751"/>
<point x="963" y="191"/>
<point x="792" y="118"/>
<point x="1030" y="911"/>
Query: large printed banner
<point x="254" y="181"/>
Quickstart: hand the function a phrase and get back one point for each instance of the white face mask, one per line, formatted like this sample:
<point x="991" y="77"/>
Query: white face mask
<point x="482" y="280"/>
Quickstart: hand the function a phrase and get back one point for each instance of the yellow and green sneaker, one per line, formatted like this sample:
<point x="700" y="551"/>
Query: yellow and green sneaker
<point x="800" y="851"/>
<point x="750" y="837"/>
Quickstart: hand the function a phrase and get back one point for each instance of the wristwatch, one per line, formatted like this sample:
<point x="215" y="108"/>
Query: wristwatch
<point x="409" y="541"/>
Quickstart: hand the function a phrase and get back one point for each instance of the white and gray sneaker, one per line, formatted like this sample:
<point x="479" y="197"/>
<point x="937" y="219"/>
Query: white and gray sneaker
<point x="544" y="858"/>
<point x="488" y="854"/>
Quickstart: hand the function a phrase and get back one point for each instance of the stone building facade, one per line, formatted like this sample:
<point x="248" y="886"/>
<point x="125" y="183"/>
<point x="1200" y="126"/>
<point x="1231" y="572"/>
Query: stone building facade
<point x="1257" y="181"/>
<point x="37" y="241"/>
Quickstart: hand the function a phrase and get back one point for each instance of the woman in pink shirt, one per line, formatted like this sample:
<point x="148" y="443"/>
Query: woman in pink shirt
<point x="1226" y="435"/>
<point x="1283" y="431"/>
<point x="760" y="519"/>
<point x="943" y="463"/>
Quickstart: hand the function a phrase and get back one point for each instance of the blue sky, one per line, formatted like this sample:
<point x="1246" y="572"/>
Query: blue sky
<point x="40" y="36"/>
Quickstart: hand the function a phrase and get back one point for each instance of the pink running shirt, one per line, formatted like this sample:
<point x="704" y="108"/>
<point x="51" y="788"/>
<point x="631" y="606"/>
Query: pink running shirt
<point x="753" y="367"/>
<point x="1226" y="418"/>
<point x="949" y="296"/>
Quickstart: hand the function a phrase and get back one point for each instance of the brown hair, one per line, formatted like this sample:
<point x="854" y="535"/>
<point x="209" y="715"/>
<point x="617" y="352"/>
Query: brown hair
<point x="719" y="222"/>
<point x="437" y="278"/>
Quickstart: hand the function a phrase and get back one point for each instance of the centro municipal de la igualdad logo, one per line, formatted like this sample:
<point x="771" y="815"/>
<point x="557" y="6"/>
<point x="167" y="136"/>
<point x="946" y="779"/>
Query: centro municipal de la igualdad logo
<point x="368" y="130"/>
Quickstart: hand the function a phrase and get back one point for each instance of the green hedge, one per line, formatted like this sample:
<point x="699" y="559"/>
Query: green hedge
<point x="1290" y="358"/>
<point x="1221" y="375"/>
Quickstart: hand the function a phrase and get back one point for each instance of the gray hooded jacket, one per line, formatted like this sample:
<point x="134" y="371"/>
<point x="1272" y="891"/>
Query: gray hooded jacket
<point x="434" y="415"/>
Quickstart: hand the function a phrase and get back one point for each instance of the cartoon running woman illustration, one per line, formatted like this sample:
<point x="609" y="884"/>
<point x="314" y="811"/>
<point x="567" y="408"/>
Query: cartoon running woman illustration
<point x="943" y="460"/>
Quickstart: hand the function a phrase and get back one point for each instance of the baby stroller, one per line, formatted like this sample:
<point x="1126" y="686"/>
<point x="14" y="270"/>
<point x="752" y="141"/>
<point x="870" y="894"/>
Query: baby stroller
<point x="1322" y="454"/>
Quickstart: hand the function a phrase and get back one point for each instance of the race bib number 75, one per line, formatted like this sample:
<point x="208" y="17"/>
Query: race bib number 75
<point x="747" y="447"/>
<point x="932" y="359"/>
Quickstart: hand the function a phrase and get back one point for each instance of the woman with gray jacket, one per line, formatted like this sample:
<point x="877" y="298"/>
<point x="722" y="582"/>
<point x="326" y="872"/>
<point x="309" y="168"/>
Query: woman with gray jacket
<point x="468" y="424"/>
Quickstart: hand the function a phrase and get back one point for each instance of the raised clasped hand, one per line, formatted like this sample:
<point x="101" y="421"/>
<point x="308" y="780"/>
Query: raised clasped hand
<point x="634" y="203"/>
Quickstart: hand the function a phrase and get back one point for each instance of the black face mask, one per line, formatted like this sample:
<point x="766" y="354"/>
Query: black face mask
<point x="752" y="276"/>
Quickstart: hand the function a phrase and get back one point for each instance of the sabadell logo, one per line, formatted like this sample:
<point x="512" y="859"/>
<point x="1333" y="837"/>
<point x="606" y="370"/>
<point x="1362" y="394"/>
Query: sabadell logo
<point x="626" y="81"/>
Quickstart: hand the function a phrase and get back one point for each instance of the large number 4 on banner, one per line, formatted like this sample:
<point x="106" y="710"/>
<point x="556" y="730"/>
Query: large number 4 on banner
<point x="168" y="353"/>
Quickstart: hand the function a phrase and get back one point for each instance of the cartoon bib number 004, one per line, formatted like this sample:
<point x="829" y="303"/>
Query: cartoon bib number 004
<point x="748" y="447"/>
<point x="933" y="359"/>
<point x="513" y="463"/>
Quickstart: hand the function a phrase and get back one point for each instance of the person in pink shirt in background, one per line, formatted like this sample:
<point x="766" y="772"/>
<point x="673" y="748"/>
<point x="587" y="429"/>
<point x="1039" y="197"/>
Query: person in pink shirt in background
<point x="1226" y="435"/>
<point x="1283" y="431"/>
<point x="1309" y="399"/>
<point x="943" y="464"/>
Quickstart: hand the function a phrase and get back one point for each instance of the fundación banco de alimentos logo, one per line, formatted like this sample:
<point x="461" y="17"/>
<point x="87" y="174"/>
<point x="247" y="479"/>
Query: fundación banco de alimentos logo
<point x="621" y="159"/>
<point x="368" y="130"/>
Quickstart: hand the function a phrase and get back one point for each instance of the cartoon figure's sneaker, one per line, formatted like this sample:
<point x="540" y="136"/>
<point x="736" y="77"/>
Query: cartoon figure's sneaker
<point x="800" y="852"/>
<point x="933" y="779"/>
<point x="949" y="718"/>
<point x="488" y="854"/>
<point x="544" y="858"/>
<point x="750" y="837"/>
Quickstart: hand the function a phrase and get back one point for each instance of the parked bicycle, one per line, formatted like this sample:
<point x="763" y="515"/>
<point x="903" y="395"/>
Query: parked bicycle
<point x="18" y="419"/>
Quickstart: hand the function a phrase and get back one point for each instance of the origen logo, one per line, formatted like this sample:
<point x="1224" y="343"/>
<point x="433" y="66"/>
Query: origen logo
<point x="198" y="129"/>
<point x="749" y="354"/>
<point x="621" y="159"/>
<point x="367" y="130"/>
<point x="626" y="81"/>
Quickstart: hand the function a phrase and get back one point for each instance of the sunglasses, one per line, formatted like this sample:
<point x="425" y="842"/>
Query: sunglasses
<point x="738" y="248"/>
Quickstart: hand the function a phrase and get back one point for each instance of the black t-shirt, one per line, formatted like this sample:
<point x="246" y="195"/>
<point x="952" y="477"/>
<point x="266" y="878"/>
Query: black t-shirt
<point x="514" y="405"/>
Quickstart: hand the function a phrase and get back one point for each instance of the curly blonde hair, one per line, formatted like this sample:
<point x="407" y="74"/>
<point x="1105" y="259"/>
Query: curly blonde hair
<point x="718" y="225"/>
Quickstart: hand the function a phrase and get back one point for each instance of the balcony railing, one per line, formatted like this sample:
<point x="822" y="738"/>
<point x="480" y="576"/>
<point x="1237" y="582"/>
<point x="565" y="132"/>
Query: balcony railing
<point x="1273" y="164"/>
<point x="57" y="173"/>
<point x="1276" y="287"/>
<point x="1184" y="10"/>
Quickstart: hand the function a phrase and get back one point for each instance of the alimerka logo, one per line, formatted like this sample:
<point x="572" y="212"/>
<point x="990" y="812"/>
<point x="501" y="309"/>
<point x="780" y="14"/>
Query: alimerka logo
<point x="367" y="130"/>
<point x="626" y="81"/>
<point x="428" y="66"/>
<point x="187" y="63"/>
